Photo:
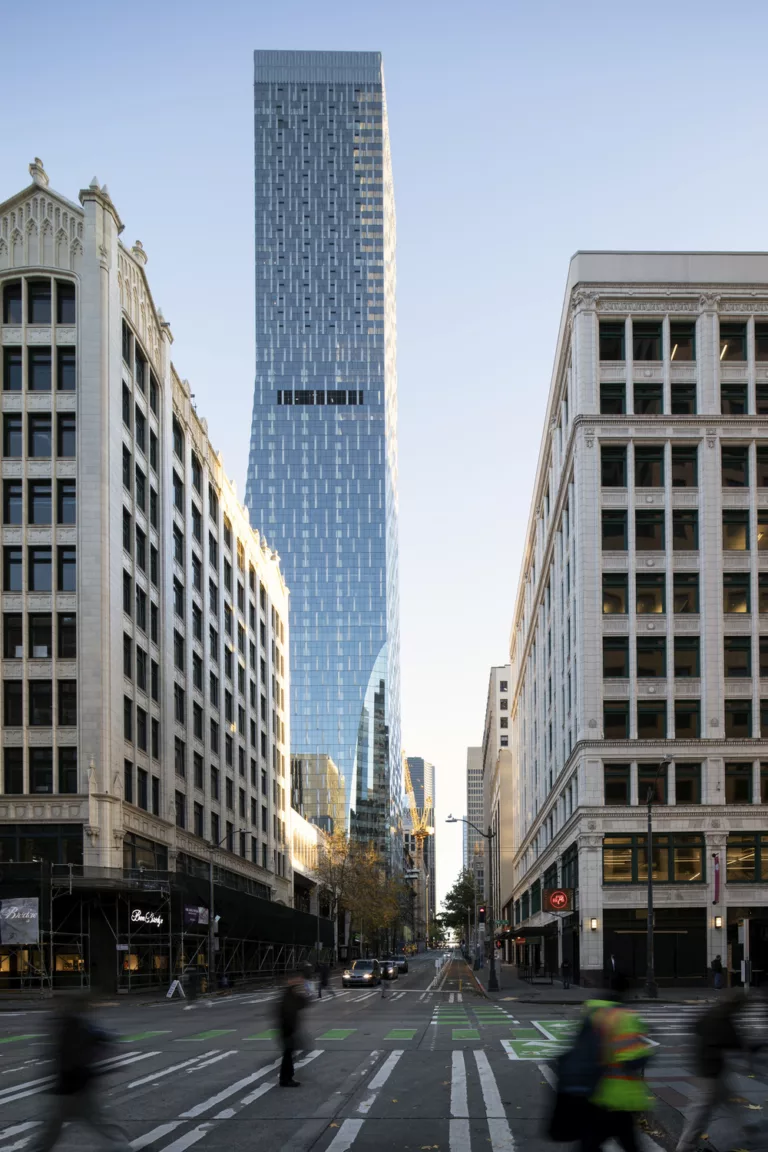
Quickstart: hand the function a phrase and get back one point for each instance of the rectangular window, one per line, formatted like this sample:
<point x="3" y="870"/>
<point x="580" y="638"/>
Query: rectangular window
<point x="66" y="435"/>
<point x="735" y="467"/>
<point x="682" y="341"/>
<point x="651" y="721"/>
<point x="761" y="474"/>
<point x="12" y="436"/>
<point x="687" y="724"/>
<point x="686" y="593"/>
<point x="733" y="341"/>
<point x="746" y="858"/>
<point x="761" y="341"/>
<point x="141" y="789"/>
<point x="67" y="717"/>
<point x="12" y="303"/>
<point x="683" y="399"/>
<point x="763" y="650"/>
<point x="649" y="530"/>
<point x="41" y="770"/>
<point x="738" y="719"/>
<point x="613" y="399"/>
<point x="141" y="608"/>
<point x="67" y="637"/>
<point x="736" y="592"/>
<point x="65" y="303"/>
<point x="179" y="756"/>
<point x="180" y="806"/>
<point x="616" y="784"/>
<point x="66" y="502"/>
<point x="619" y="865"/>
<point x="733" y="399"/>
<point x="735" y="530"/>
<point x="651" y="656"/>
<point x="762" y="530"/>
<point x="686" y="657"/>
<point x="616" y="720"/>
<point x="141" y="669"/>
<point x="646" y="340"/>
<point x="649" y="466"/>
<point x="66" y="370"/>
<point x="67" y="569"/>
<point x="613" y="466"/>
<point x="12" y="380"/>
<point x="198" y="819"/>
<point x="40" y="693"/>
<point x="738" y="783"/>
<point x="649" y="399"/>
<point x="141" y="430"/>
<point x="761" y="391"/>
<point x="40" y="636"/>
<point x="651" y="779"/>
<point x="650" y="593"/>
<point x="13" y="703"/>
<point x="13" y="635"/>
<point x="13" y="765"/>
<point x="12" y="569"/>
<point x="39" y="302"/>
<point x="685" y="530"/>
<point x="612" y="340"/>
<point x="154" y="508"/>
<point x="685" y="468"/>
<point x="614" y="531"/>
<point x="140" y="371"/>
<point x="39" y="369"/>
<point x="737" y="656"/>
<point x="68" y="770"/>
<point x="179" y="703"/>
<point x="39" y="574"/>
<point x="13" y="502"/>
<point x="687" y="778"/>
<point x="39" y="437"/>
<point x="615" y="657"/>
<point x="178" y="598"/>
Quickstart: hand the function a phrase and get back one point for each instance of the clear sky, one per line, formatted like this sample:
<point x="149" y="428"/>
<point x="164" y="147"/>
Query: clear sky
<point x="521" y="132"/>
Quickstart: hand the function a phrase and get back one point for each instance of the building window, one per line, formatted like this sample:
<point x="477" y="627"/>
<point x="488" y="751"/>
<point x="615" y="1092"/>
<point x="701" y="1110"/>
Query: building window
<point x="736" y="592"/>
<point x="13" y="703"/>
<point x="12" y="303"/>
<point x="68" y="770"/>
<point x="651" y="656"/>
<point x="67" y="569"/>
<point x="613" y="466"/>
<point x="738" y="719"/>
<point x="198" y="820"/>
<point x="746" y="858"/>
<point x="763" y="656"/>
<point x="649" y="530"/>
<point x="179" y="756"/>
<point x="180" y="806"/>
<point x="735" y="530"/>
<point x="613" y="399"/>
<point x="614" y="593"/>
<point x="614" y="531"/>
<point x="66" y="436"/>
<point x="616" y="784"/>
<point x="737" y="656"/>
<point x="38" y="302"/>
<point x="649" y="466"/>
<point x="652" y="720"/>
<point x="612" y="340"/>
<point x="67" y="637"/>
<point x="13" y="635"/>
<point x="41" y="770"/>
<point x="682" y="341"/>
<point x="733" y="399"/>
<point x="66" y="502"/>
<point x="654" y="780"/>
<point x="12" y="379"/>
<point x="616" y="719"/>
<point x="686" y="593"/>
<point x="735" y="467"/>
<point x="687" y="779"/>
<point x="179" y="703"/>
<point x="39" y="437"/>
<point x="685" y="468"/>
<point x="67" y="717"/>
<point x="12" y="436"/>
<point x="13" y="502"/>
<point x="686" y="656"/>
<point x="677" y="858"/>
<point x="738" y="783"/>
<point x="39" y="573"/>
<point x="650" y="593"/>
<point x="683" y="399"/>
<point x="648" y="399"/>
<point x="40" y="694"/>
<point x="646" y="340"/>
<point x="733" y="341"/>
<point x="687" y="720"/>
<point x="685" y="530"/>
<point x="13" y="771"/>
<point x="40" y="636"/>
<point x="39" y="369"/>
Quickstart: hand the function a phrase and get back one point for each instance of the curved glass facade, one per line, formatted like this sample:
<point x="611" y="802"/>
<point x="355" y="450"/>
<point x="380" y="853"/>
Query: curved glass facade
<point x="322" y="476"/>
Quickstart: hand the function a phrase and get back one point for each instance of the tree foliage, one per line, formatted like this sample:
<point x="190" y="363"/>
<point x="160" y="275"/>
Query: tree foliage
<point x="460" y="900"/>
<point x="354" y="876"/>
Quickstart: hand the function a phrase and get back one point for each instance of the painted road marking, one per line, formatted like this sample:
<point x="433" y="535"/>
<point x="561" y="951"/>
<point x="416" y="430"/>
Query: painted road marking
<point x="21" y="1036"/>
<point x="459" y="1107"/>
<point x="270" y="1034"/>
<point x="401" y="1034"/>
<point x="498" y="1128"/>
<point x="337" y="1034"/>
<point x="379" y="1080"/>
<point x="156" y="1134"/>
<point x="228" y="1113"/>
<point x="211" y="1034"/>
<point x="165" y="1071"/>
<point x="346" y="1135"/>
<point x="465" y="1034"/>
<point x="451" y="998"/>
<point x="225" y="1093"/>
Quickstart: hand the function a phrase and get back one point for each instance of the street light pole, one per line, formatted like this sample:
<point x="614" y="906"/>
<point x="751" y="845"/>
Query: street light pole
<point x="493" y="982"/>
<point x="651" y="987"/>
<point x="211" y="918"/>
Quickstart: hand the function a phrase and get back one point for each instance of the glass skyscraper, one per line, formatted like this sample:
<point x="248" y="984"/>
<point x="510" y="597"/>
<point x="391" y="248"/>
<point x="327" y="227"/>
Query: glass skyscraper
<point x="322" y="474"/>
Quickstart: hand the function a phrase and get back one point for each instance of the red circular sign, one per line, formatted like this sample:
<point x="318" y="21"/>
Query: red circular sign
<point x="558" y="899"/>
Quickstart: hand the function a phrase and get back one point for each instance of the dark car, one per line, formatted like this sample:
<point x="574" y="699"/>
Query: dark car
<point x="361" y="973"/>
<point x="388" y="969"/>
<point x="402" y="963"/>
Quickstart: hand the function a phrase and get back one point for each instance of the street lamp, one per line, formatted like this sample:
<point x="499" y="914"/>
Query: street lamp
<point x="493" y="983"/>
<point x="210" y="903"/>
<point x="651" y="987"/>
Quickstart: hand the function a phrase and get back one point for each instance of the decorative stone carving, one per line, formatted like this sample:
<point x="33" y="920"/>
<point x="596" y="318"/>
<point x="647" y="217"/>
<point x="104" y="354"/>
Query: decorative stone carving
<point x="624" y="305"/>
<point x="709" y="301"/>
<point x="711" y="435"/>
<point x="38" y="173"/>
<point x="66" y="335"/>
<point x="39" y="335"/>
<point x="744" y="306"/>
<point x="12" y="335"/>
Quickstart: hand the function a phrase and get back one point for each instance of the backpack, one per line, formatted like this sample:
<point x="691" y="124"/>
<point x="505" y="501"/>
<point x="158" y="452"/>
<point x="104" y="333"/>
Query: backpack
<point x="580" y="1068"/>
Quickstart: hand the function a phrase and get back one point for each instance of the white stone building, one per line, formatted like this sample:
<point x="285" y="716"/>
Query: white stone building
<point x="498" y="793"/>
<point x="641" y="625"/>
<point x="474" y="845"/>
<point x="145" y="622"/>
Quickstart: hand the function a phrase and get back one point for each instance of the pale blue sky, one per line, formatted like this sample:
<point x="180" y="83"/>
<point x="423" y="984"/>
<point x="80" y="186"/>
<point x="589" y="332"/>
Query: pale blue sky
<point x="520" y="133"/>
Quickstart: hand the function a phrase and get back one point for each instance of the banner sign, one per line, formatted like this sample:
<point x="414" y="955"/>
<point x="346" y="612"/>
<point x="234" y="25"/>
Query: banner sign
<point x="195" y="915"/>
<point x="558" y="899"/>
<point x="144" y="918"/>
<point x="716" y="858"/>
<point x="20" y="921"/>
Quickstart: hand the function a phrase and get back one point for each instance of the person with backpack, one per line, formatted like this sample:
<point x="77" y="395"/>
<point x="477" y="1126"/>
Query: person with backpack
<point x="600" y="1079"/>
<point x="77" y="1043"/>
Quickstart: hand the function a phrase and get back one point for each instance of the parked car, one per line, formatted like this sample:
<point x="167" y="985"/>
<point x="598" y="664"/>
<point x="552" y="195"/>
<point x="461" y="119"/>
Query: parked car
<point x="388" y="969"/>
<point x="402" y="963"/>
<point x="361" y="973"/>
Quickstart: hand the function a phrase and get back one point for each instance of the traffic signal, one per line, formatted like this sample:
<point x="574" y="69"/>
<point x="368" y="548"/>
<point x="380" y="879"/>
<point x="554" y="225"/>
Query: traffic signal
<point x="481" y="915"/>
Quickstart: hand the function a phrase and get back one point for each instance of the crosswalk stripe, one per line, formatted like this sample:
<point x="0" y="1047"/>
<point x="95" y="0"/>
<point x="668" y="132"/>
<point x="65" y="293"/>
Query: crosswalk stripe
<point x="163" y="1072"/>
<point x="498" y="1127"/>
<point x="459" y="1108"/>
<point x="156" y="1134"/>
<point x="225" y="1093"/>
<point x="345" y="1137"/>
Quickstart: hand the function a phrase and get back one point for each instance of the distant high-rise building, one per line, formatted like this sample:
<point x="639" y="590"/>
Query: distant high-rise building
<point x="322" y="475"/>
<point x="423" y="780"/>
<point x="474" y="845"/>
<point x="498" y="792"/>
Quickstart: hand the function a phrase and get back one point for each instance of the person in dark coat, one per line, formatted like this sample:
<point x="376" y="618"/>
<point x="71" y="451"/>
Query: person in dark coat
<point x="290" y="1006"/>
<point x="718" y="1032"/>
<point x="77" y="1044"/>
<point x="717" y="971"/>
<point x="566" y="967"/>
<point x="323" y="982"/>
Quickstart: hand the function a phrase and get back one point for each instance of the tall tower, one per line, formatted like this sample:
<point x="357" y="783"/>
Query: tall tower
<point x="322" y="474"/>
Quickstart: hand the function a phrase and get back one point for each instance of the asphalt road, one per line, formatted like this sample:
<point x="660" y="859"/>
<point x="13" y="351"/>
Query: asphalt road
<point x="420" y="1069"/>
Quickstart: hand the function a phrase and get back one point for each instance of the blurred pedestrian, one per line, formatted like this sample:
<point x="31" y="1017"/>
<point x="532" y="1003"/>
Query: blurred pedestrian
<point x="77" y="1043"/>
<point x="566" y="966"/>
<point x="292" y="1002"/>
<point x="717" y="1033"/>
<point x="323" y="982"/>
<point x="717" y="971"/>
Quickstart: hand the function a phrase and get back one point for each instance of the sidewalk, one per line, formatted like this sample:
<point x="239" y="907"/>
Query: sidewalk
<point x="542" y="992"/>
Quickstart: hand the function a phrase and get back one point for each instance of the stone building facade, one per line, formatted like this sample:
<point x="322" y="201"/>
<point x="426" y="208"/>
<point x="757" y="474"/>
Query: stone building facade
<point x="641" y="626"/>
